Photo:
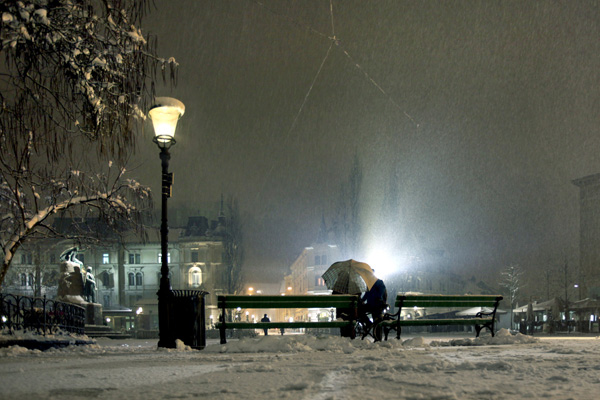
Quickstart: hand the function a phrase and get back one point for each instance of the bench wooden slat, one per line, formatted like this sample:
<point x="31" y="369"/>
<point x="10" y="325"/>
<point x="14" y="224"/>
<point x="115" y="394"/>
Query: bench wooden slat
<point x="465" y="301"/>
<point x="433" y="322"/>
<point x="266" y="301"/>
<point x="444" y="303"/>
<point x="289" y="325"/>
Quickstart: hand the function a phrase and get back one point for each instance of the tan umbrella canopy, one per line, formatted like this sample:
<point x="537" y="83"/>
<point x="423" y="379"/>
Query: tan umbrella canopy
<point x="350" y="277"/>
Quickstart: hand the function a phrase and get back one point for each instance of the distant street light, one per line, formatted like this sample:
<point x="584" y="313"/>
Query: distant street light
<point x="164" y="115"/>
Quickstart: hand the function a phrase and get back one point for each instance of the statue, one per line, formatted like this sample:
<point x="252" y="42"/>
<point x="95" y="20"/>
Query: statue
<point x="89" y="287"/>
<point x="71" y="256"/>
<point x="70" y="284"/>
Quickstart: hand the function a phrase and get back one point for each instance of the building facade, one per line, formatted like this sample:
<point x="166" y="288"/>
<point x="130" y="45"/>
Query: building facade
<point x="127" y="271"/>
<point x="306" y="272"/>
<point x="589" y="235"/>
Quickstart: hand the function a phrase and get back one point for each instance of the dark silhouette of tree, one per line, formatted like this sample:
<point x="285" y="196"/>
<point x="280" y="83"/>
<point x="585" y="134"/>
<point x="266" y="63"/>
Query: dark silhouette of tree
<point x="512" y="282"/>
<point x="346" y="224"/>
<point x="233" y="247"/>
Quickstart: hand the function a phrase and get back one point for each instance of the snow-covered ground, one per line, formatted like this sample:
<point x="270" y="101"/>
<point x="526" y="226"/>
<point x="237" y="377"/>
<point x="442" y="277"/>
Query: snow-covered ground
<point x="308" y="367"/>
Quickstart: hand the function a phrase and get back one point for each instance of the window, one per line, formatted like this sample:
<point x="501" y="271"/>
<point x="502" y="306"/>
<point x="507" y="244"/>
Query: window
<point x="105" y="258"/>
<point x="134" y="258"/>
<point x="139" y="279"/>
<point x="195" y="277"/>
<point x="105" y="279"/>
<point x="26" y="258"/>
<point x="317" y="260"/>
<point x="194" y="255"/>
<point x="131" y="279"/>
<point x="160" y="258"/>
<point x="30" y="280"/>
<point x="23" y="280"/>
<point x="323" y="259"/>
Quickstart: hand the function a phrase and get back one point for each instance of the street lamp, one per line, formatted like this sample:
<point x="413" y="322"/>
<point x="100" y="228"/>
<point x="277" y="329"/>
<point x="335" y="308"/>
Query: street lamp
<point x="164" y="114"/>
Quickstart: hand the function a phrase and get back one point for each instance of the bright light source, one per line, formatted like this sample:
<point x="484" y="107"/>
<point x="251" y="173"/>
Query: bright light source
<point x="164" y="115"/>
<point x="259" y="291"/>
<point x="4" y="319"/>
<point x="107" y="320"/>
<point x="383" y="262"/>
<point x="239" y="309"/>
<point x="139" y="311"/>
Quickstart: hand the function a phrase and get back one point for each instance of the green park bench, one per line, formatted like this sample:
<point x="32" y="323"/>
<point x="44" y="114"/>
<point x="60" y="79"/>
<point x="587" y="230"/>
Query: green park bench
<point x="483" y="319"/>
<point x="292" y="302"/>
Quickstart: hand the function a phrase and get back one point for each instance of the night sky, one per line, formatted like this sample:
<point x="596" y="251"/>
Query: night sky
<point x="482" y="112"/>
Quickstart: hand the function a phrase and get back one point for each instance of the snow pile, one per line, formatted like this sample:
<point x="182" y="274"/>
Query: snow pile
<point x="502" y="337"/>
<point x="14" y="351"/>
<point x="289" y="344"/>
<point x="336" y="344"/>
<point x="58" y="335"/>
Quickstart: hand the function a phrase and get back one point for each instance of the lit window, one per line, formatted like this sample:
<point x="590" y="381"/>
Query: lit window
<point x="160" y="258"/>
<point x="105" y="258"/>
<point x="195" y="277"/>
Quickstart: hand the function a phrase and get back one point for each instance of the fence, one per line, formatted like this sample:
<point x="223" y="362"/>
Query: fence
<point x="34" y="314"/>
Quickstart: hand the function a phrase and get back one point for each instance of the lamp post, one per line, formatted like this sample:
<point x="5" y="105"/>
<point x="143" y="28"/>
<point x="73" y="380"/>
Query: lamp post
<point x="164" y="115"/>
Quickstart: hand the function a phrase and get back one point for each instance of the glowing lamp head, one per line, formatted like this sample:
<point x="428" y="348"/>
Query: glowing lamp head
<point x="164" y="114"/>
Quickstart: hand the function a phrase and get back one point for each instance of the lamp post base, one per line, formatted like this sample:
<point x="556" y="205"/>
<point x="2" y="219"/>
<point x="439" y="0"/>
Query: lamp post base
<point x="165" y="331"/>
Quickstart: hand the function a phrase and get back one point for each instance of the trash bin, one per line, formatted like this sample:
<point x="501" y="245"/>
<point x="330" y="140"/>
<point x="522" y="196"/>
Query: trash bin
<point x="188" y="322"/>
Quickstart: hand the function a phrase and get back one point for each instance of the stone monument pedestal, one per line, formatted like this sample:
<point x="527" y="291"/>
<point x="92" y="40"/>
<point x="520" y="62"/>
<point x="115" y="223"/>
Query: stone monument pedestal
<point x="93" y="314"/>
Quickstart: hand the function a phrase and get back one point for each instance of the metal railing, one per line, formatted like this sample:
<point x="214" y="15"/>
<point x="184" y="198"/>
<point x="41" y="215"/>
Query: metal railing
<point x="39" y="315"/>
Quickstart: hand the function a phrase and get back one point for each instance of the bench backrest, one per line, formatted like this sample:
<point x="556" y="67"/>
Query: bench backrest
<point x="442" y="300"/>
<point x="295" y="301"/>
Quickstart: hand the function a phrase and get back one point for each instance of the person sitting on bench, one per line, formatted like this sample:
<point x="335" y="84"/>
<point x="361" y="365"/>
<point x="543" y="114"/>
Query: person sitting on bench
<point x="374" y="302"/>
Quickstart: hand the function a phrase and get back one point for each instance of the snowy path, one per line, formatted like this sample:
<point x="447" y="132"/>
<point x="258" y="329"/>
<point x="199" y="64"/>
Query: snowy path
<point x="308" y="368"/>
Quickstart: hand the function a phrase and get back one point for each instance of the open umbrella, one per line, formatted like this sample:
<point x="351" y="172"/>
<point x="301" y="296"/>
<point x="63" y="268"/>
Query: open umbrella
<point x="350" y="277"/>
